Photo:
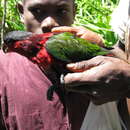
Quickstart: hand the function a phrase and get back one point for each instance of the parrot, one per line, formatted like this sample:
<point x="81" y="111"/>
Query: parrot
<point x="50" y="49"/>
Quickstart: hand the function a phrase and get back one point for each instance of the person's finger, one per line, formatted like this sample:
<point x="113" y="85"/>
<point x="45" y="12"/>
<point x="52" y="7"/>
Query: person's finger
<point x="85" y="65"/>
<point x="90" y="76"/>
<point x="78" y="67"/>
<point x="63" y="29"/>
<point x="82" y="33"/>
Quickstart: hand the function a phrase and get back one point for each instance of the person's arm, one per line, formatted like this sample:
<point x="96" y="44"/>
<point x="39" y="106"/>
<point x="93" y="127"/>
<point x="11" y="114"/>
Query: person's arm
<point x="103" y="78"/>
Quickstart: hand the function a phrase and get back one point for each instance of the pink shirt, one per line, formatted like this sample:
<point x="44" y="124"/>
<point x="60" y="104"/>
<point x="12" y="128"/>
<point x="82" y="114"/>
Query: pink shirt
<point x="24" y="104"/>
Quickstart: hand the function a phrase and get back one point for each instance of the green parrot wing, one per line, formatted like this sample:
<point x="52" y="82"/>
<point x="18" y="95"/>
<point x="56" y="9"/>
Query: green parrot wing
<point x="69" y="48"/>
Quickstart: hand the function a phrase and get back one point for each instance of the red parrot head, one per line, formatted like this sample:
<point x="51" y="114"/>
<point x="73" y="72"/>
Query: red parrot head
<point x="30" y="45"/>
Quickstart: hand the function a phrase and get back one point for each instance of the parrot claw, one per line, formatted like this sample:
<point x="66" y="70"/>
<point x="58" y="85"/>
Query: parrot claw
<point x="62" y="79"/>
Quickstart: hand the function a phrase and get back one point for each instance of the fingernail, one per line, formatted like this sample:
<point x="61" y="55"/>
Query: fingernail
<point x="70" y="65"/>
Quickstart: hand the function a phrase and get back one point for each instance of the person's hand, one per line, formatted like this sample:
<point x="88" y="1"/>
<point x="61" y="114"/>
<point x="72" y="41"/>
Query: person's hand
<point x="82" y="33"/>
<point x="103" y="78"/>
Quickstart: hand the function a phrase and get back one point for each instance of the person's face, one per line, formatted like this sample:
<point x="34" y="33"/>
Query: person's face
<point x="42" y="15"/>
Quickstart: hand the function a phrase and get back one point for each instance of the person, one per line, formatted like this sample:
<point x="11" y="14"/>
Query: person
<point x="24" y="86"/>
<point x="115" y="73"/>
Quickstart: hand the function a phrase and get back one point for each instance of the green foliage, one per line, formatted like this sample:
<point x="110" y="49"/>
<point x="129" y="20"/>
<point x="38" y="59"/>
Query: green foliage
<point x="96" y="12"/>
<point x="96" y="15"/>
<point x="12" y="16"/>
<point x="93" y="14"/>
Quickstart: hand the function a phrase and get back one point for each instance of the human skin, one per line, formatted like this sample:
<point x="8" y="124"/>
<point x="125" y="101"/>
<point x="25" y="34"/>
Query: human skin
<point x="100" y="71"/>
<point x="41" y="16"/>
<point x="109" y="74"/>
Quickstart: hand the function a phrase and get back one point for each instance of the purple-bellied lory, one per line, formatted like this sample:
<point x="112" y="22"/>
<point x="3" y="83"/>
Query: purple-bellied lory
<point x="52" y="49"/>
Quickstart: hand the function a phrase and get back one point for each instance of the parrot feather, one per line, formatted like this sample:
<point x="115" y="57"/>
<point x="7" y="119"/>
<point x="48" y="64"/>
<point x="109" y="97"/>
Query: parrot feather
<point x="69" y="48"/>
